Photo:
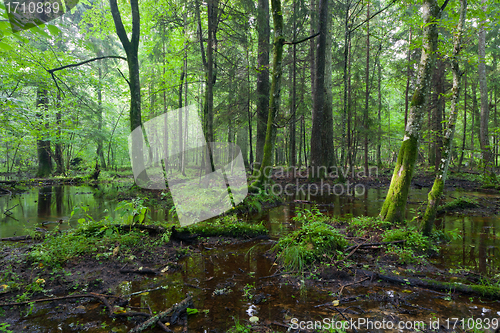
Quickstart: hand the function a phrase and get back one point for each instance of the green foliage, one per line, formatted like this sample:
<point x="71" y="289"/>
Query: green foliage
<point x="4" y="328"/>
<point x="363" y="225"/>
<point x="92" y="237"/>
<point x="460" y="203"/>
<point x="133" y="211"/>
<point x="414" y="250"/>
<point x="228" y="225"/>
<point x="312" y="242"/>
<point x="254" y="201"/>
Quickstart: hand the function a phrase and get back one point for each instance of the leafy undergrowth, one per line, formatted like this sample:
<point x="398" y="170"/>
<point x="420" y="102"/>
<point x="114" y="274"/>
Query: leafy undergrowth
<point x="228" y="226"/>
<point x="459" y="204"/>
<point x="313" y="242"/>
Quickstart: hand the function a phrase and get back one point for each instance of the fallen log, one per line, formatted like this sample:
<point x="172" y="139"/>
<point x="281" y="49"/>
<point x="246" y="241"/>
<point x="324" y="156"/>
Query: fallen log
<point x="15" y="238"/>
<point x="372" y="244"/>
<point x="179" y="307"/>
<point x="486" y="291"/>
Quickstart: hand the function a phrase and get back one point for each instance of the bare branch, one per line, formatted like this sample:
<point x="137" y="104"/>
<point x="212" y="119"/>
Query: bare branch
<point x="84" y="62"/>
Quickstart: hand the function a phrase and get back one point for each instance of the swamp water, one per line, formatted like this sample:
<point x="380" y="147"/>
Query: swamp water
<point x="233" y="282"/>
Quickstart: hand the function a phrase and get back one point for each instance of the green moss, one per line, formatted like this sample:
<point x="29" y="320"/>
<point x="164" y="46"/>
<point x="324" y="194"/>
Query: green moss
<point x="225" y="226"/>
<point x="460" y="203"/>
<point x="314" y="241"/>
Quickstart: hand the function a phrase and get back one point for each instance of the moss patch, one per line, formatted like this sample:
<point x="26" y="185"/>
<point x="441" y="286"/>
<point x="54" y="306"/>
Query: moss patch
<point x="228" y="226"/>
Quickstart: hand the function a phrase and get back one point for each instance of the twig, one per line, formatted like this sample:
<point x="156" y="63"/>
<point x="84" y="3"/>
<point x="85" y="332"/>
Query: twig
<point x="57" y="299"/>
<point x="142" y="291"/>
<point x="353" y="327"/>
<point x="84" y="62"/>
<point x="350" y="284"/>
<point x="274" y="275"/>
<point x="352" y="252"/>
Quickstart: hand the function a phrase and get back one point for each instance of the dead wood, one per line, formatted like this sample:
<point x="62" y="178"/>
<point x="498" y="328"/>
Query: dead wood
<point x="179" y="307"/>
<point x="139" y="271"/>
<point x="373" y="244"/>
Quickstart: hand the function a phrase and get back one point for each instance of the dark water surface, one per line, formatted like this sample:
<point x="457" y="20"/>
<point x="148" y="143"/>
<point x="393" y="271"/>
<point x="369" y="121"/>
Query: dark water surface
<point x="232" y="282"/>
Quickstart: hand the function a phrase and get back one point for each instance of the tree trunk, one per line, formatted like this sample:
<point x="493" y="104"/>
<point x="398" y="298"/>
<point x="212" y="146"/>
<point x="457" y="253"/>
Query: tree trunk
<point x="408" y="72"/>
<point x="379" y="141"/>
<point x="394" y="206"/>
<point x="438" y="104"/>
<point x="58" y="152"/>
<point x="436" y="192"/>
<point x="464" y="121"/>
<point x="262" y="77"/>
<point x="100" y="149"/>
<point x="367" y="92"/>
<point x="483" y="90"/>
<point x="43" y="146"/>
<point x="262" y="175"/>
<point x="329" y="158"/>
<point x="131" y="47"/>
<point x="317" y="148"/>
<point x="475" y="111"/>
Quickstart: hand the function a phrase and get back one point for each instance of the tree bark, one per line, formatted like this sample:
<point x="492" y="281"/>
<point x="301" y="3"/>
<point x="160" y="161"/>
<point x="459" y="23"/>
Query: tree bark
<point x="483" y="90"/>
<point x="367" y="92"/>
<point x="131" y="47"/>
<point x="262" y="77"/>
<point x="43" y="146"/>
<point x="394" y="206"/>
<point x="317" y="148"/>
<point x="436" y="192"/>
<point x="464" y="121"/>
<point x="262" y="175"/>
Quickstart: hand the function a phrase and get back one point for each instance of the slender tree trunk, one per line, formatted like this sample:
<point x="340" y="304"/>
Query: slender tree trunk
<point x="180" y="111"/>
<point x="100" y="143"/>
<point x="329" y="158"/>
<point x="43" y="146"/>
<point x="438" y="104"/>
<point x="293" y="152"/>
<point x="379" y="141"/>
<point x="264" y="32"/>
<point x="347" y="39"/>
<point x="249" y="112"/>
<point x="464" y="121"/>
<point x="483" y="90"/>
<point x="436" y="192"/>
<point x="262" y="175"/>
<point x="131" y="47"/>
<point x="367" y="93"/>
<point x="475" y="111"/>
<point x="408" y="76"/>
<point x="394" y="206"/>
<point x="58" y="152"/>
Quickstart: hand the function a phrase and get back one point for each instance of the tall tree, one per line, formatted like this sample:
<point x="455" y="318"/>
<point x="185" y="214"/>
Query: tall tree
<point x="263" y="30"/>
<point x="42" y="144"/>
<point x="394" y="206"/>
<point x="483" y="90"/>
<point x="436" y="192"/>
<point x="131" y="47"/>
<point x="263" y="173"/>
<point x="317" y="147"/>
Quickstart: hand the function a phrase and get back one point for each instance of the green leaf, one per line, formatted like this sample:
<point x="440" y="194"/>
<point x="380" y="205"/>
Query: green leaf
<point x="191" y="311"/>
<point x="5" y="46"/>
<point x="53" y="29"/>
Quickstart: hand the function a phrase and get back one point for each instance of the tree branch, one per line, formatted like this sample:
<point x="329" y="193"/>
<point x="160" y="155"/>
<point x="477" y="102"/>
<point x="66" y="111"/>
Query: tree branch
<point x="444" y="5"/>
<point x="375" y="14"/>
<point x="120" y="29"/>
<point x="84" y="62"/>
<point x="302" y="40"/>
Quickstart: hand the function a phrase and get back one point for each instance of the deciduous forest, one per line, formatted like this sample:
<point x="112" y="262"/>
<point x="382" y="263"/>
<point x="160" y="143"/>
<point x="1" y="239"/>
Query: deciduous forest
<point x="249" y="165"/>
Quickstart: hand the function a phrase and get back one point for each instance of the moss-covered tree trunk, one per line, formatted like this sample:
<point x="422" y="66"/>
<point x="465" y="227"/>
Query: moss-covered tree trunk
<point x="395" y="203"/>
<point x="262" y="175"/>
<point x="434" y="196"/>
<point x="483" y="91"/>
